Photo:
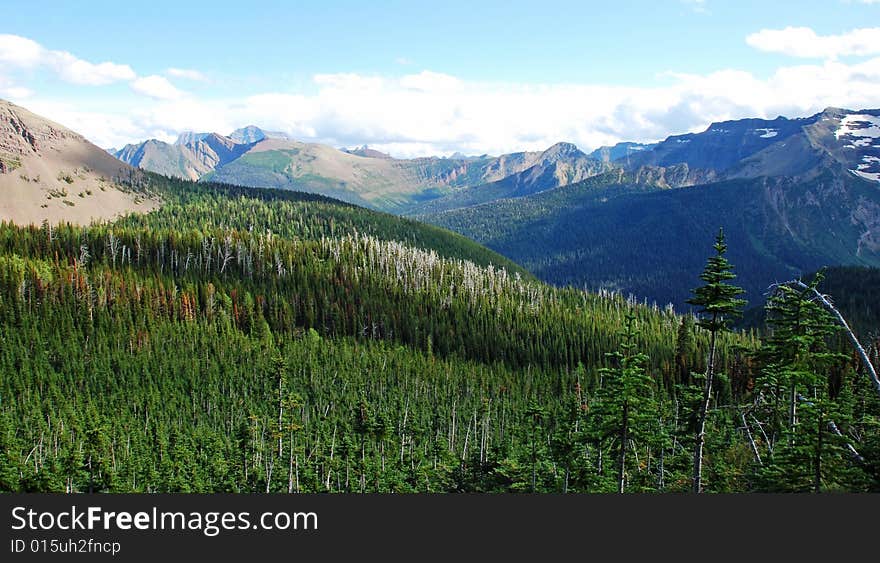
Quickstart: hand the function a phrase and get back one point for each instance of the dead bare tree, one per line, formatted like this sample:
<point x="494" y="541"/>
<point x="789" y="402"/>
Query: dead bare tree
<point x="825" y="301"/>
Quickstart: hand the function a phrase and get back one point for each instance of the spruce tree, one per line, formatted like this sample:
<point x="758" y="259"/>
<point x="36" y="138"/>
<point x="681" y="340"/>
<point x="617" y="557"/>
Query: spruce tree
<point x="623" y="407"/>
<point x="798" y="359"/>
<point x="717" y="305"/>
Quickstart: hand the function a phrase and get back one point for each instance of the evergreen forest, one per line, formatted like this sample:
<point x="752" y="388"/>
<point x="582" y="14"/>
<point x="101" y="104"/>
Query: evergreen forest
<point x="250" y="340"/>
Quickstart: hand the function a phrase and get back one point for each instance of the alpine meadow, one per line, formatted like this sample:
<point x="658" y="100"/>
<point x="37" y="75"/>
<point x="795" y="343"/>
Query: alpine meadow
<point x="322" y="269"/>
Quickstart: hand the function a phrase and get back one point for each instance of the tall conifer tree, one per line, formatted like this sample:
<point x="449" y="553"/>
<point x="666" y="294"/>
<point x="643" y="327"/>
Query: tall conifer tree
<point x="717" y="305"/>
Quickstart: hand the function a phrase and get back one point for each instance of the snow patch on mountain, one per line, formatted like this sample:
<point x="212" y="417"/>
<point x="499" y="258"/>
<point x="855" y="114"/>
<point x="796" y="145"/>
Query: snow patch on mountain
<point x="859" y="125"/>
<point x="767" y="133"/>
<point x="875" y="176"/>
<point x="869" y="169"/>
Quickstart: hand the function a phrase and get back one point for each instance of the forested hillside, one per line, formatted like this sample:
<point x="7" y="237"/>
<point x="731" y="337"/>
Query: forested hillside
<point x="618" y="233"/>
<point x="857" y="294"/>
<point x="854" y="290"/>
<point x="251" y="340"/>
<point x="188" y="205"/>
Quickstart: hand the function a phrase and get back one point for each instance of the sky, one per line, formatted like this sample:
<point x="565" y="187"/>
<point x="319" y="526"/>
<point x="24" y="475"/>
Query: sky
<point x="417" y="79"/>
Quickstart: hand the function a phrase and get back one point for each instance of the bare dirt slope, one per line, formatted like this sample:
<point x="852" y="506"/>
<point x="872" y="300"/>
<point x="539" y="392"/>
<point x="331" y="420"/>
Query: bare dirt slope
<point x="48" y="172"/>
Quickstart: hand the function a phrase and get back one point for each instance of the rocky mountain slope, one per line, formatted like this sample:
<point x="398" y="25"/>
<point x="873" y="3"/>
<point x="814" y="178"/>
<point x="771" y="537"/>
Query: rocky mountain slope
<point x="799" y="148"/>
<point x="190" y="157"/>
<point x="48" y="172"/>
<point x="751" y="148"/>
<point x="620" y="151"/>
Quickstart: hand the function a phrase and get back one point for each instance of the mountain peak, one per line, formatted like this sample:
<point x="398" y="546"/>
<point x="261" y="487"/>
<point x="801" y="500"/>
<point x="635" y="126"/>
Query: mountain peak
<point x="834" y="110"/>
<point x="253" y="134"/>
<point x="187" y="137"/>
<point x="367" y="152"/>
<point x="563" y="150"/>
<point x="248" y="134"/>
<point x="215" y="137"/>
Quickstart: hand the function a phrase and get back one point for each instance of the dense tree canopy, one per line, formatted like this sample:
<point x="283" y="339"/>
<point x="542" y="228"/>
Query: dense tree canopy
<point x="261" y="341"/>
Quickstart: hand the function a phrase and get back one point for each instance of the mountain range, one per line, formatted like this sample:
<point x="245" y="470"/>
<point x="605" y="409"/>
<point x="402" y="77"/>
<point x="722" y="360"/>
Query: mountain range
<point x="792" y="194"/>
<point x="253" y="157"/>
<point x="746" y="148"/>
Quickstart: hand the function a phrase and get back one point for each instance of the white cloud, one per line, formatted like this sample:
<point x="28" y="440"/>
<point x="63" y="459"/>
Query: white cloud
<point x="187" y="74"/>
<point x="427" y="81"/>
<point x="15" y="92"/>
<point x="804" y="42"/>
<point x="157" y="87"/>
<point x="475" y="117"/>
<point x="11" y="91"/>
<point x="445" y="114"/>
<point x="102" y="128"/>
<point x="21" y="52"/>
<point x="78" y="71"/>
<point x="429" y="112"/>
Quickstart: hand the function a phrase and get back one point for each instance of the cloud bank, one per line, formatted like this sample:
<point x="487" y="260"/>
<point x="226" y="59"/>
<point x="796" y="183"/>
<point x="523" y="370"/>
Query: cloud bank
<point x="424" y="113"/>
<point x="156" y="87"/>
<point x="21" y="52"/>
<point x="804" y="42"/>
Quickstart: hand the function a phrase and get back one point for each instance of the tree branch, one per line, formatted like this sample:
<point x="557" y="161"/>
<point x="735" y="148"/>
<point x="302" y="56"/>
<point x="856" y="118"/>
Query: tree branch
<point x="836" y="431"/>
<point x="866" y="361"/>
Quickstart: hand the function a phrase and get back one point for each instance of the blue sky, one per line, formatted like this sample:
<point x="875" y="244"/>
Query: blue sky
<point x="417" y="79"/>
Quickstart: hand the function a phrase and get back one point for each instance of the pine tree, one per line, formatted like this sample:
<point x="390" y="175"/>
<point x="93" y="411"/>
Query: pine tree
<point x="624" y="406"/>
<point x="717" y="305"/>
<point x="796" y="387"/>
<point x="684" y="350"/>
<point x="536" y="415"/>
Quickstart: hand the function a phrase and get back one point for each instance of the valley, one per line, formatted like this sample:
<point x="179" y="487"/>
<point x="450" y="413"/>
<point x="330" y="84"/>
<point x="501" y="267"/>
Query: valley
<point x="795" y="193"/>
